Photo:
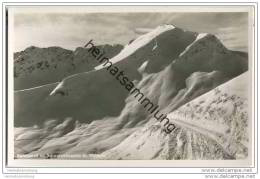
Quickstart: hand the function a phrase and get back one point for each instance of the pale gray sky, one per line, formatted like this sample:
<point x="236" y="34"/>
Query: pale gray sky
<point x="71" y="30"/>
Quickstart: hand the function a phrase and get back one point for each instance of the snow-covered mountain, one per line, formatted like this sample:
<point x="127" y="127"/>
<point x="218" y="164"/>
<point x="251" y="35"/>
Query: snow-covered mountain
<point x="91" y="113"/>
<point x="40" y="66"/>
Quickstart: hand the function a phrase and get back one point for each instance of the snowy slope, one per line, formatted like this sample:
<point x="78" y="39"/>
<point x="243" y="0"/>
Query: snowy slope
<point x="208" y="128"/>
<point x="213" y="126"/>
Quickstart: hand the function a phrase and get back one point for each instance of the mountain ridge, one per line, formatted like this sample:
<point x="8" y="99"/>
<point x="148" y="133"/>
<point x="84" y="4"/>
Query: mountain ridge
<point x="39" y="66"/>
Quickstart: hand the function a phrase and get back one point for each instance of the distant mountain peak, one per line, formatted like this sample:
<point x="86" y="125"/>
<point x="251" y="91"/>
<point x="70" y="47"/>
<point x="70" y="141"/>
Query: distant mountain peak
<point x="30" y="48"/>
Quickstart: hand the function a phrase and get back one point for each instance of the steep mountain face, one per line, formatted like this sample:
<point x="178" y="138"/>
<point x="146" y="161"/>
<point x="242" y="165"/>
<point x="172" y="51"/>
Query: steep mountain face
<point x="86" y="90"/>
<point x="91" y="113"/>
<point x="40" y="66"/>
<point x="207" y="53"/>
